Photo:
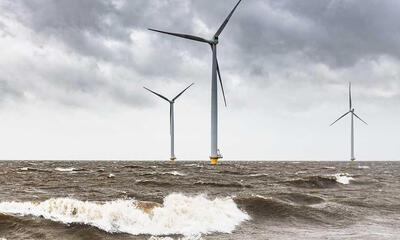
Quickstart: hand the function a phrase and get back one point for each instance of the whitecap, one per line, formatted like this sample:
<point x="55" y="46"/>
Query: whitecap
<point x="343" y="178"/>
<point x="175" y="173"/>
<point x="59" y="169"/>
<point x="196" y="237"/>
<point x="258" y="175"/>
<point x="363" y="167"/>
<point x="329" y="167"/>
<point x="180" y="214"/>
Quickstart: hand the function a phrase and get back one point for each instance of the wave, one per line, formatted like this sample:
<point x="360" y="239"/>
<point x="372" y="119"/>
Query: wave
<point x="363" y="167"/>
<point x="154" y="183"/>
<point x="322" y="181"/>
<point x="220" y="184"/>
<point x="330" y="168"/>
<point x="231" y="172"/>
<point x="111" y="175"/>
<point x="313" y="182"/>
<point x="179" y="214"/>
<point x="196" y="237"/>
<point x="294" y="208"/>
<point x="258" y="175"/>
<point x="173" y="173"/>
<point x="29" y="169"/>
<point x="264" y="208"/>
<point x="176" y="173"/>
<point x="59" y="169"/>
<point x="343" y="178"/>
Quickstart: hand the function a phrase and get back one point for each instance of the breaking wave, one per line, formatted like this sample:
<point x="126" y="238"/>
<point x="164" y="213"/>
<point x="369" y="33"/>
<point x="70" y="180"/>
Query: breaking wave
<point x="179" y="214"/>
<point x="343" y="178"/>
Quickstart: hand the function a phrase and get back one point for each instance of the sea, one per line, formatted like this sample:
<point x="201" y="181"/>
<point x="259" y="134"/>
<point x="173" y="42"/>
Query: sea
<point x="156" y="200"/>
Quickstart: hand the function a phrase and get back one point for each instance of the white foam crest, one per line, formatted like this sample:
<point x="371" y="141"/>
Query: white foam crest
<point x="258" y="175"/>
<point x="329" y="167"/>
<point x="363" y="167"/>
<point x="175" y="173"/>
<point x="343" y="178"/>
<point x="195" y="237"/>
<point x="65" y="169"/>
<point x="179" y="214"/>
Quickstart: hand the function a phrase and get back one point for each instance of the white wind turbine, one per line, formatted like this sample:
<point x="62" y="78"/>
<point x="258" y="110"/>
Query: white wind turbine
<point x="171" y="117"/>
<point x="351" y="111"/>
<point x="215" y="155"/>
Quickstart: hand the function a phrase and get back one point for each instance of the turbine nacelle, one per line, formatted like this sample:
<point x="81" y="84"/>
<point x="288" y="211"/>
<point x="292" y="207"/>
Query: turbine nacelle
<point x="215" y="41"/>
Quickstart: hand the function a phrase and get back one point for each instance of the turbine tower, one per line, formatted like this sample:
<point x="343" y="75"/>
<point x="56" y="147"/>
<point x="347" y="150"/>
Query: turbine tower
<point x="351" y="111"/>
<point x="171" y="117"/>
<point x="215" y="155"/>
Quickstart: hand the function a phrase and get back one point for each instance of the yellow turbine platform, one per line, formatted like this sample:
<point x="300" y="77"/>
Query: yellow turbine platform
<point x="214" y="160"/>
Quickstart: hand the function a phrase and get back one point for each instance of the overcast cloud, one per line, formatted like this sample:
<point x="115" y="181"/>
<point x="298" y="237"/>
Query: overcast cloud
<point x="286" y="65"/>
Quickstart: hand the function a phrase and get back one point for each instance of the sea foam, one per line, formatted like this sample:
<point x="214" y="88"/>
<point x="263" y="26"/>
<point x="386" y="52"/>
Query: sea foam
<point x="179" y="214"/>
<point x="59" y="169"/>
<point x="343" y="178"/>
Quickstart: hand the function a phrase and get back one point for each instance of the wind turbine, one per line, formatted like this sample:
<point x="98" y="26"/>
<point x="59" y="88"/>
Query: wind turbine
<point x="171" y="117"/>
<point x="351" y="111"/>
<point x="215" y="155"/>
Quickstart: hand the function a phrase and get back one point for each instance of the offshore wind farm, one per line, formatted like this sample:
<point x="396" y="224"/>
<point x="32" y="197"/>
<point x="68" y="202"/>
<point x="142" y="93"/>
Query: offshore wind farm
<point x="84" y="144"/>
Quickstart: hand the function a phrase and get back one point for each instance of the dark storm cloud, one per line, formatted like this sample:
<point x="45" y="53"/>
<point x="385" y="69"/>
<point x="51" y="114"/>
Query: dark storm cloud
<point x="264" y="36"/>
<point x="338" y="32"/>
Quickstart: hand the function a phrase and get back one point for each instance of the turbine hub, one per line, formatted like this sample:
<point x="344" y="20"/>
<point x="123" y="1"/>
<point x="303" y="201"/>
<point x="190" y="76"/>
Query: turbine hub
<point x="215" y="41"/>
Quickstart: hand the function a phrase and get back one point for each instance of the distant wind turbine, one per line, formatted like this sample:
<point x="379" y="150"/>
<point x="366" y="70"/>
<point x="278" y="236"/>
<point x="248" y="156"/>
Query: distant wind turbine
<point x="171" y="117"/>
<point x="351" y="111"/>
<point x="215" y="155"/>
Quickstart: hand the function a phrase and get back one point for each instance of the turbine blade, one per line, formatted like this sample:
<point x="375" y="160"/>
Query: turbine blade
<point x="190" y="37"/>
<point x="220" y="81"/>
<point x="340" y="118"/>
<point x="226" y="21"/>
<point x="157" y="94"/>
<point x="350" y="102"/>
<point x="182" y="92"/>
<point x="360" y="118"/>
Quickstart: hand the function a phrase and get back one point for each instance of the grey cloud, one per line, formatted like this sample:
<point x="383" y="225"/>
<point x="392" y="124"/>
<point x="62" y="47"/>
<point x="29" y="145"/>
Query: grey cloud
<point x="338" y="33"/>
<point x="8" y="91"/>
<point x="266" y="41"/>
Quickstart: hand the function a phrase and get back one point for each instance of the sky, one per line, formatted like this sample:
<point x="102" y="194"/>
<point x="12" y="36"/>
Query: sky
<point x="72" y="74"/>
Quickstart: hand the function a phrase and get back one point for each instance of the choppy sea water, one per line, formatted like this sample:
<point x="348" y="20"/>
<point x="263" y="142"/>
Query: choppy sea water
<point x="193" y="200"/>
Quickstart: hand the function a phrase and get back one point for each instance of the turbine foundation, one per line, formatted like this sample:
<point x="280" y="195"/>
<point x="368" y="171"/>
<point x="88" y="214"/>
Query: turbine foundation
<point x="214" y="160"/>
